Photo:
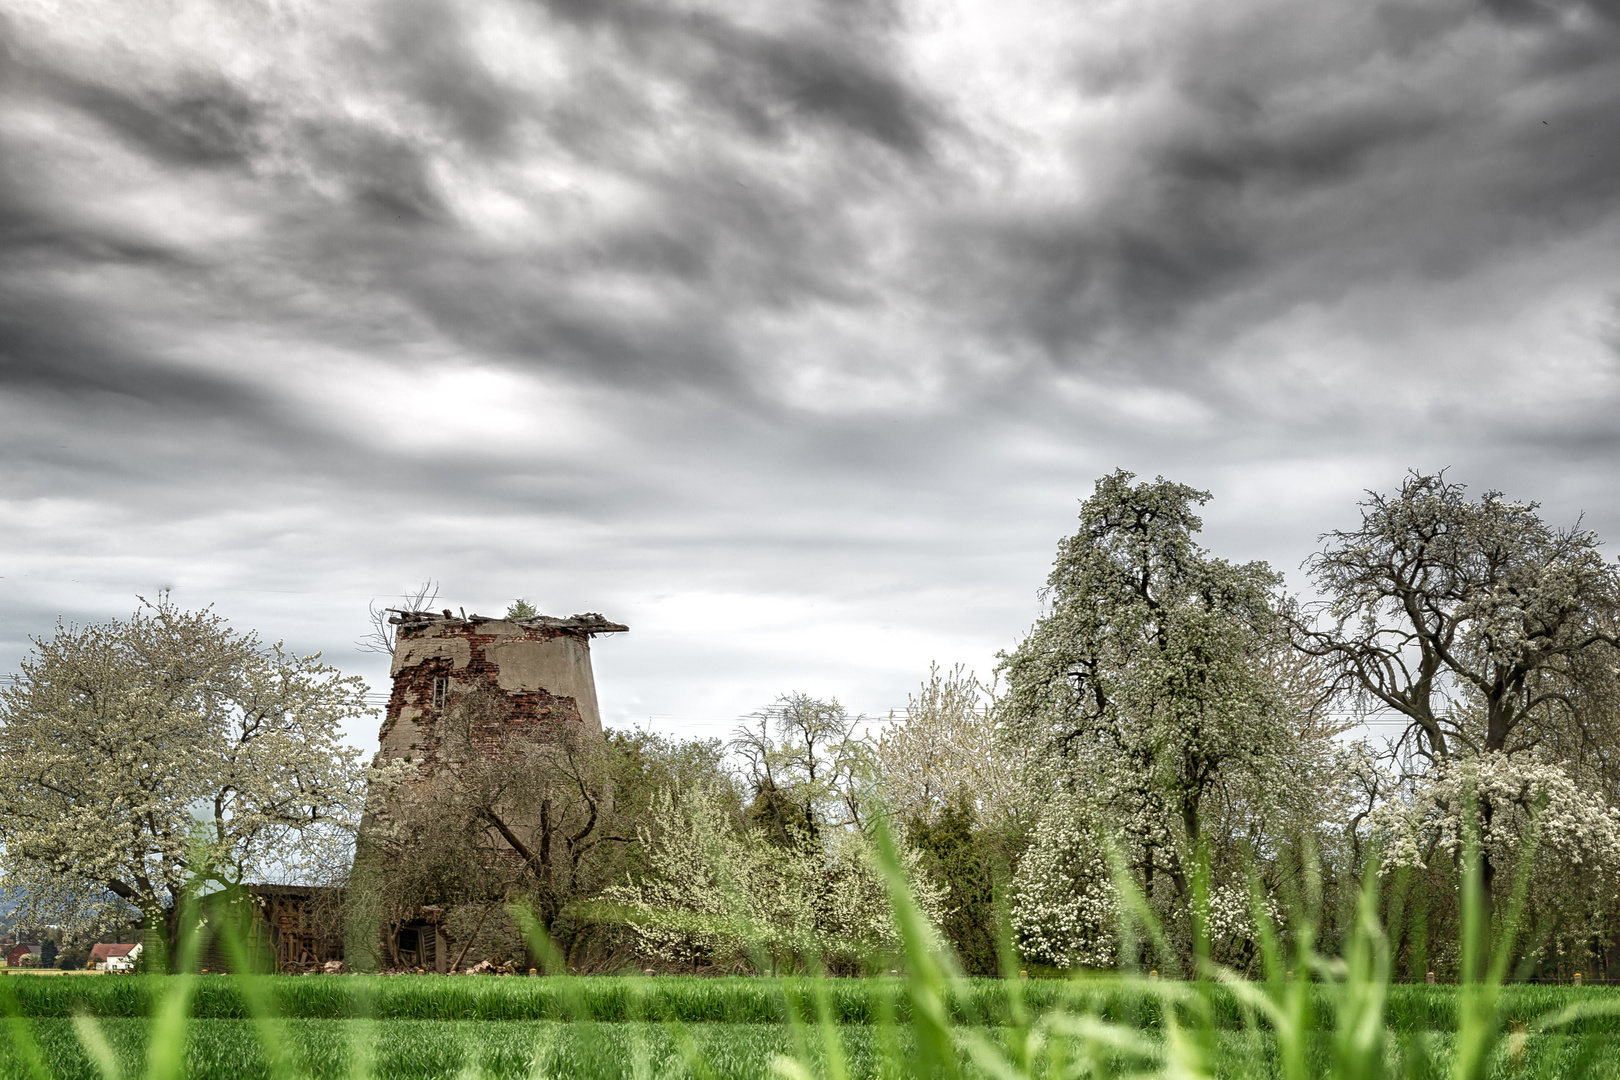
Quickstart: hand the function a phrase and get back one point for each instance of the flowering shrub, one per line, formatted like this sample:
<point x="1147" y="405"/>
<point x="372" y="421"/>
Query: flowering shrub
<point x="1575" y="876"/>
<point x="1575" y="827"/>
<point x="949" y="750"/>
<point x="1063" y="901"/>
<point x="718" y="895"/>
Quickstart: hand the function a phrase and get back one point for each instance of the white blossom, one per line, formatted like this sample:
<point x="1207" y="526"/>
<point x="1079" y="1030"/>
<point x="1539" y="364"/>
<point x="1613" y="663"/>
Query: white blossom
<point x="1063" y="899"/>
<point x="948" y="750"/>
<point x="1576" y="828"/>
<point x="714" y="894"/>
<point x="143" y="758"/>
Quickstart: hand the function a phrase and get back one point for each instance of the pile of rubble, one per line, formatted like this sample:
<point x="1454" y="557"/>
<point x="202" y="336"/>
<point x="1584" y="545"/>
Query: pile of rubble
<point x="485" y="967"/>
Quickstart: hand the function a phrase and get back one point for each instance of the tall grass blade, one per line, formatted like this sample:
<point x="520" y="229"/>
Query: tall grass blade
<point x="261" y="1010"/>
<point x="23" y="1044"/>
<point x="935" y="1045"/>
<point x="167" y="1043"/>
<point x="97" y="1048"/>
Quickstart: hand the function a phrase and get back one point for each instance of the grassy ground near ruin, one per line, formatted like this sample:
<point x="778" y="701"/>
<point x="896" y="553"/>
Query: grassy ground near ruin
<point x="432" y="1027"/>
<point x="698" y="999"/>
<point x="220" y="1049"/>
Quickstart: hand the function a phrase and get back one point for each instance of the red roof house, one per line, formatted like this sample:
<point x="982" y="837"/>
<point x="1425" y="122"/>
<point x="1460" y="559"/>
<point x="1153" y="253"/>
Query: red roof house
<point x="114" y="957"/>
<point x="14" y="955"/>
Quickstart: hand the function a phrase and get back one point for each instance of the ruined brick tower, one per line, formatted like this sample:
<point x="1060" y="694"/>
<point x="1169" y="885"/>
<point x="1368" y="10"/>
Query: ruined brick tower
<point x="465" y="689"/>
<point x="537" y="669"/>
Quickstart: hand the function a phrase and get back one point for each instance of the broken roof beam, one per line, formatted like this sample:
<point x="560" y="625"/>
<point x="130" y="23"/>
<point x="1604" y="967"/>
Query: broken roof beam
<point x="590" y="622"/>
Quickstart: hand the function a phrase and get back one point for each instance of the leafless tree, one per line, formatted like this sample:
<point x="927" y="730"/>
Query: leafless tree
<point x="1475" y="621"/>
<point x="806" y="765"/>
<point x="380" y="638"/>
<point x="534" y="809"/>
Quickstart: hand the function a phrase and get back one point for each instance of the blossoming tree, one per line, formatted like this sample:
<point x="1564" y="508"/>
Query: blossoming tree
<point x="1477" y="622"/>
<point x="1564" y="836"/>
<point x="957" y="788"/>
<point x="948" y="751"/>
<point x="1488" y="631"/>
<point x="1159" y="695"/>
<point x="168" y="753"/>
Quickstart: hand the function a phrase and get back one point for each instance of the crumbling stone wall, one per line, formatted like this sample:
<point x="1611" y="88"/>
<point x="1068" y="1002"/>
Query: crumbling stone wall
<point x="464" y="688"/>
<point x="536" y="671"/>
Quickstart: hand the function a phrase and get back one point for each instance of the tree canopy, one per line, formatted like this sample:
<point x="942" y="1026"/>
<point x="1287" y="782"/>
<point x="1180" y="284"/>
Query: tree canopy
<point x="144" y="758"/>
<point x="1170" y="723"/>
<point x="1146" y="671"/>
<point x="1158" y="697"/>
<point x="1479" y="623"/>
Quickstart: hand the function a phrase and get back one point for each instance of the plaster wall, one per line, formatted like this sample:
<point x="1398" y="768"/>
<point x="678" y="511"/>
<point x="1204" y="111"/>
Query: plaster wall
<point x="561" y="666"/>
<point x="413" y="651"/>
<point x="541" y="675"/>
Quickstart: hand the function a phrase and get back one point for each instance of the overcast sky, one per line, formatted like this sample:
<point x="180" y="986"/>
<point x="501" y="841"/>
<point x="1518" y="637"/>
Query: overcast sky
<point x="789" y="334"/>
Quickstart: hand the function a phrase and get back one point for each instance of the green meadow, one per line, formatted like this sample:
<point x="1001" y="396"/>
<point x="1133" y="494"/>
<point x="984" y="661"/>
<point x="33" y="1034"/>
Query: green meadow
<point x="279" y="1027"/>
<point x="741" y="999"/>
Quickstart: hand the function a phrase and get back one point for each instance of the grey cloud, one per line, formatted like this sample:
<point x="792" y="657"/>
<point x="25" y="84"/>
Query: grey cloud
<point x="35" y="236"/>
<point x="427" y="51"/>
<point x="1068" y="284"/>
<point x="1546" y="12"/>
<point x="1263" y="164"/>
<point x="705" y="178"/>
<point x="387" y="176"/>
<point x="206" y="121"/>
<point x="47" y="347"/>
<point x="710" y="251"/>
<point x="103" y="420"/>
<point x="1289" y="172"/>
<point x="821" y="78"/>
<point x="841" y="73"/>
<point x="525" y="322"/>
<point x="197" y="117"/>
<point x="717" y="239"/>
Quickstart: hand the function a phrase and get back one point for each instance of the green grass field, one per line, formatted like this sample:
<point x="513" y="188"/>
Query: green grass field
<point x="429" y="1027"/>
<point x="690" y="999"/>
<point x="433" y="1049"/>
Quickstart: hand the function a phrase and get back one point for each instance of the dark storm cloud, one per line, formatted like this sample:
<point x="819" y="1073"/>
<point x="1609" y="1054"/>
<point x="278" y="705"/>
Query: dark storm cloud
<point x="1276" y="167"/>
<point x="838" y="72"/>
<point x="387" y="177"/>
<point x="425" y="47"/>
<point x="1543" y="12"/>
<point x="720" y="236"/>
<point x="198" y="119"/>
<point x="37" y="238"/>
<point x="1263" y="177"/>
<point x="47" y="347"/>
<point x="203" y="122"/>
<point x="1430" y="139"/>
<point x="804" y="125"/>
<point x="710" y="250"/>
<point x="826" y="313"/>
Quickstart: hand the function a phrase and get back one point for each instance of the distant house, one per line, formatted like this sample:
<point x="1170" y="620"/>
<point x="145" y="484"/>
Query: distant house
<point x="114" y="957"/>
<point x="23" y="954"/>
